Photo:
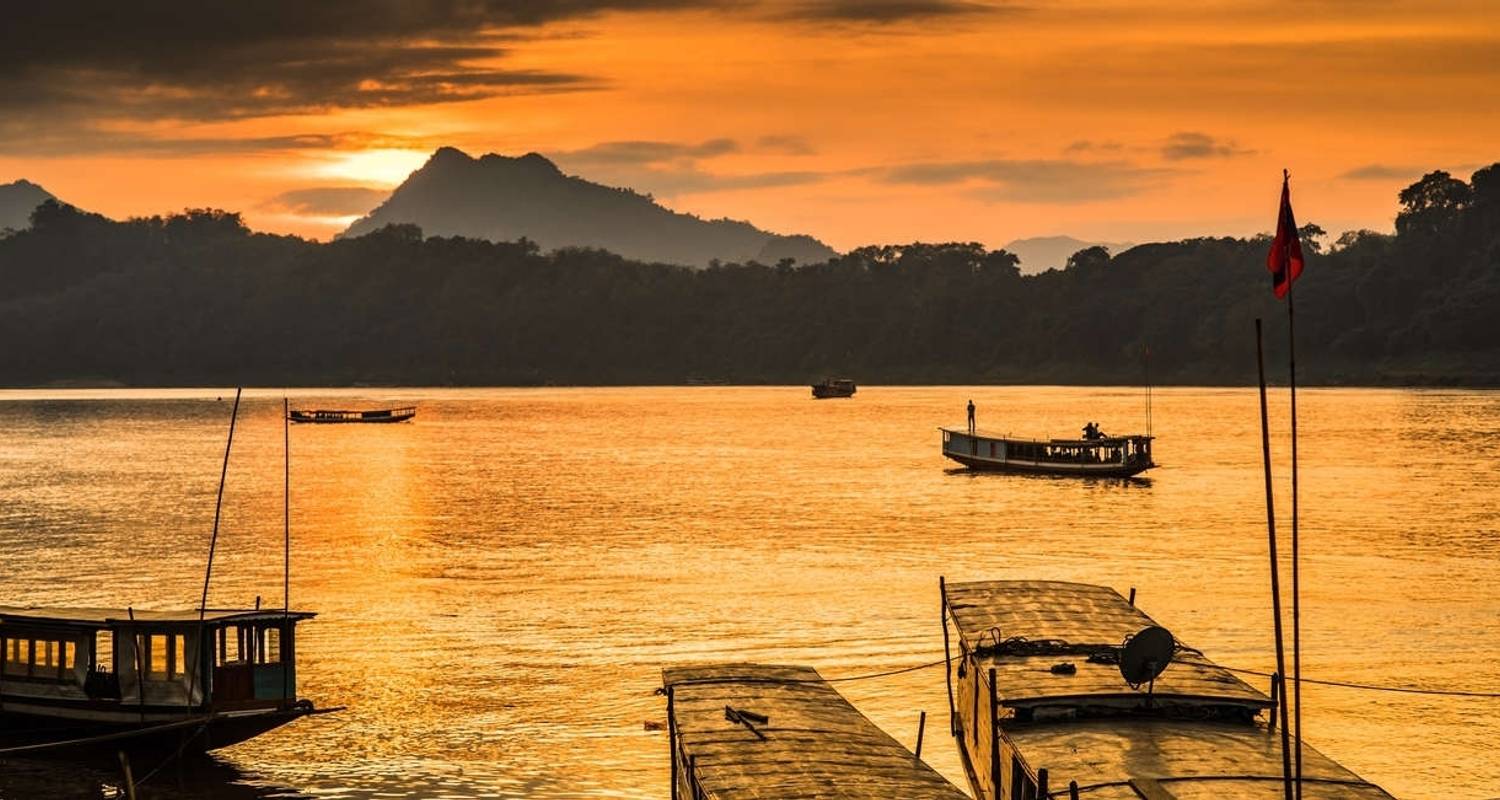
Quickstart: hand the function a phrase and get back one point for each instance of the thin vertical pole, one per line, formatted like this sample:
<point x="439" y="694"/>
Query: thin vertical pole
<point x="1291" y="343"/>
<point x="213" y="542"/>
<point x="286" y="547"/>
<point x="921" y="729"/>
<point x="1265" y="445"/>
<point x="947" y="659"/>
<point x="994" y="737"/>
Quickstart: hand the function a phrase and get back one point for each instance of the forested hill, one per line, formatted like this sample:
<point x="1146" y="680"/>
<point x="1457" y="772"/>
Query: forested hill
<point x="198" y="299"/>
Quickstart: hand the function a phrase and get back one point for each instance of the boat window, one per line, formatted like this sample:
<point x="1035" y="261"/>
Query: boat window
<point x="1022" y="787"/>
<point x="47" y="659"/>
<point x="164" y="653"/>
<point x="16" y="656"/>
<point x="229" y="644"/>
<point x="104" y="651"/>
<point x="273" y="646"/>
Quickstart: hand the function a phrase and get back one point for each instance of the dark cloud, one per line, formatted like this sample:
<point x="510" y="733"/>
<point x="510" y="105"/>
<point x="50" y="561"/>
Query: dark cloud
<point x="1033" y="180"/>
<point x="881" y="12"/>
<point x="785" y="145"/>
<point x="23" y="138"/>
<point x="1090" y="146"/>
<point x="672" y="168"/>
<point x="329" y="200"/>
<point x="1382" y="172"/>
<point x="1191" y="144"/>
<point x="77" y="63"/>
<point x="647" y="152"/>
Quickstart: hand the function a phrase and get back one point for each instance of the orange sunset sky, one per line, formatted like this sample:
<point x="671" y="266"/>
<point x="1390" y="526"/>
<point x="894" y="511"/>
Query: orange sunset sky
<point x="856" y="121"/>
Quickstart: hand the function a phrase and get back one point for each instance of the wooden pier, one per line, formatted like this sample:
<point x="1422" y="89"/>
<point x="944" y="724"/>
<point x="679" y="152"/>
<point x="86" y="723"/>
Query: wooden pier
<point x="1041" y="709"/>
<point x="762" y="731"/>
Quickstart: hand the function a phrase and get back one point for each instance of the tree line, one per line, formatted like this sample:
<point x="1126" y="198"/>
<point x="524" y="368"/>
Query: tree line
<point x="197" y="298"/>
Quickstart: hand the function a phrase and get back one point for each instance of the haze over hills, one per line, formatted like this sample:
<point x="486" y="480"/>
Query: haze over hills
<point x="17" y="201"/>
<point x="1041" y="253"/>
<point x="501" y="198"/>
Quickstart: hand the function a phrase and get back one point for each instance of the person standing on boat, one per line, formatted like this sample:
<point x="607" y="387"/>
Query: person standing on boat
<point x="971" y="417"/>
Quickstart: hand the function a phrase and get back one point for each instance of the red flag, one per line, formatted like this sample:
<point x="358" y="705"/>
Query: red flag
<point x="1285" y="259"/>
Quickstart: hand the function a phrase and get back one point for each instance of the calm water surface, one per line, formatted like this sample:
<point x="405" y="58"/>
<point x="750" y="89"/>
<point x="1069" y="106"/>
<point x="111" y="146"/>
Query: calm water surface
<point x="501" y="581"/>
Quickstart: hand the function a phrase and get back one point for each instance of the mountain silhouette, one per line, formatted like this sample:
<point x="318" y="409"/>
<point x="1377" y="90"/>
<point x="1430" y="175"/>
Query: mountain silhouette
<point x="501" y="198"/>
<point x="1041" y="253"/>
<point x="17" y="201"/>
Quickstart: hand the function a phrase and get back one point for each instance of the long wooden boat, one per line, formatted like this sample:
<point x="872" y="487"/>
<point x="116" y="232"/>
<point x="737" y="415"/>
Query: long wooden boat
<point x="750" y="731"/>
<point x="833" y="387"/>
<point x="1041" y="708"/>
<point x="332" y="416"/>
<point x="108" y="679"/>
<point x="1105" y="457"/>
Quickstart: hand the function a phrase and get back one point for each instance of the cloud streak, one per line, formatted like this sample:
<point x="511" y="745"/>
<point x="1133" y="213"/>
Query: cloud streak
<point x="328" y="200"/>
<point x="1033" y="180"/>
<point x="1187" y="145"/>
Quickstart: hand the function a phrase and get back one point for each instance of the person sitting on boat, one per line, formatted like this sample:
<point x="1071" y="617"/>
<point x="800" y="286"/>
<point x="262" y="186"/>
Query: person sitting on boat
<point x="1090" y="431"/>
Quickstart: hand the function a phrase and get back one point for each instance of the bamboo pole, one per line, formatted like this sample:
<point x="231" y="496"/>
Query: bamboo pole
<point x="1265" y="443"/>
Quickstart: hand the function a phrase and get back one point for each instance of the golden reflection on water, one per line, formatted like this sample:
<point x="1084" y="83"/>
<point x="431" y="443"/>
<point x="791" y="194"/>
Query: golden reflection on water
<point x="501" y="581"/>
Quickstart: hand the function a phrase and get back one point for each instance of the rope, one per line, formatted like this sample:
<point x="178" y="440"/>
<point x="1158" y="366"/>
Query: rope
<point x="1370" y="687"/>
<point x="1103" y="658"/>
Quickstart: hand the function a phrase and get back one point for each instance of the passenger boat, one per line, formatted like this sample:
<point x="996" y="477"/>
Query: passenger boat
<point x="1041" y="706"/>
<point x="320" y="415"/>
<point x="833" y="387"/>
<point x="108" y="679"/>
<point x="1105" y="457"/>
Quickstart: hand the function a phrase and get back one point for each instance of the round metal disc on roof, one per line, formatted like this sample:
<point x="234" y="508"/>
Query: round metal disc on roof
<point x="1146" y="654"/>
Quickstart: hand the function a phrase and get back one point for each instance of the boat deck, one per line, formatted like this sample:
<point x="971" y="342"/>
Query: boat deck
<point x="1028" y="725"/>
<point x="811" y="744"/>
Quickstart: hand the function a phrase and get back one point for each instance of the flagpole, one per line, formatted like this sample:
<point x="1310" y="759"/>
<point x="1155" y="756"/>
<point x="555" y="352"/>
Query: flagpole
<point x="1265" y="445"/>
<point x="1291" y="343"/>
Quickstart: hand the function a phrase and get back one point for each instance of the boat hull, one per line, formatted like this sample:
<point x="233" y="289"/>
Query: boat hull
<point x="42" y="736"/>
<point x="1031" y="468"/>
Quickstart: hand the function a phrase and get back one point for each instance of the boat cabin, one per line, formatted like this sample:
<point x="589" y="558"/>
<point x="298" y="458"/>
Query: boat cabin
<point x="1107" y="456"/>
<point x="1041" y="709"/>
<point x="127" y="665"/>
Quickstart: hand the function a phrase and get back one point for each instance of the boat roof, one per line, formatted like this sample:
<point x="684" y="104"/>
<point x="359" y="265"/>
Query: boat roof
<point x="96" y="617"/>
<point x="1103" y="441"/>
<point x="815" y="745"/>
<point x="1132" y="758"/>
<point x="1022" y="629"/>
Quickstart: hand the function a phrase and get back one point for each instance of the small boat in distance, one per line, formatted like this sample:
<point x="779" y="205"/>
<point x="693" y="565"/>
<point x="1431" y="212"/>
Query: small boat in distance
<point x="329" y="416"/>
<point x="1103" y="456"/>
<point x="833" y="387"/>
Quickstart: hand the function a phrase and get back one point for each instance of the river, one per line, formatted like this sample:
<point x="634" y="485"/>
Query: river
<point x="500" y="582"/>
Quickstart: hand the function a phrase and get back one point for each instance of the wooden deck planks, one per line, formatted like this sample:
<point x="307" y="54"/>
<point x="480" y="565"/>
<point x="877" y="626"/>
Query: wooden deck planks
<point x="1020" y="680"/>
<point x="815" y="745"/>
<point x="1198" y="760"/>
<point x="1076" y="613"/>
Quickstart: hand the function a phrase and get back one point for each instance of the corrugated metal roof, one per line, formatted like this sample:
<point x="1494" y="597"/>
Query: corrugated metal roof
<point x="815" y="745"/>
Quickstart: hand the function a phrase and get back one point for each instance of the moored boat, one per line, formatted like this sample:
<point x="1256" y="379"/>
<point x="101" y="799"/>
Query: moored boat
<point x="833" y="387"/>
<point x="1068" y="690"/>
<point x="107" y="679"/>
<point x="322" y="415"/>
<point x="1104" y="456"/>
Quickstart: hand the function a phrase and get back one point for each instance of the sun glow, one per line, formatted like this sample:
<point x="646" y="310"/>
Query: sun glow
<point x="386" y="166"/>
